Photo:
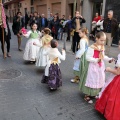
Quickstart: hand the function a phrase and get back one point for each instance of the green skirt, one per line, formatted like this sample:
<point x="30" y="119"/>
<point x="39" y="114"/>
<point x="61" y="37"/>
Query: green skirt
<point x="83" y="75"/>
<point x="76" y="73"/>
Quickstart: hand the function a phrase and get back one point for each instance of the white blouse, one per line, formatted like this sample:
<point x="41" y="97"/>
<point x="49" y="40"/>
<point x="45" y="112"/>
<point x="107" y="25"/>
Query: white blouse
<point x="82" y="49"/>
<point x="90" y="54"/>
<point x="54" y="53"/>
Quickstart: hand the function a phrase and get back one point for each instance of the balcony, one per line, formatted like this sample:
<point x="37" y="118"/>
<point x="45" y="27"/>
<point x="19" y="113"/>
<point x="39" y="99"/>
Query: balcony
<point x="7" y="2"/>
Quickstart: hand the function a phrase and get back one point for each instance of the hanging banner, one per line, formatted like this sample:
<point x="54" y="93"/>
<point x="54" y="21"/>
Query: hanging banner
<point x="0" y="12"/>
<point x="3" y="16"/>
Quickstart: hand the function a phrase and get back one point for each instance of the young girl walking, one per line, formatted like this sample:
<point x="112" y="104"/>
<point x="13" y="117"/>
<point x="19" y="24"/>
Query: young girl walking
<point x="108" y="102"/>
<point x="80" y="54"/>
<point x="94" y="77"/>
<point x="31" y="51"/>
<point x="52" y="74"/>
<point x="42" y="60"/>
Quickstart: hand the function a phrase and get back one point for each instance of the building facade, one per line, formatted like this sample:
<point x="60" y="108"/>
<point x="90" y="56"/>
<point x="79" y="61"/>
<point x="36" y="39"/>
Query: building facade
<point x="87" y="8"/>
<point x="63" y="7"/>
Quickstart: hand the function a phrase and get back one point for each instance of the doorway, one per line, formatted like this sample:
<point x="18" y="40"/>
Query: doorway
<point x="97" y="8"/>
<point x="71" y="9"/>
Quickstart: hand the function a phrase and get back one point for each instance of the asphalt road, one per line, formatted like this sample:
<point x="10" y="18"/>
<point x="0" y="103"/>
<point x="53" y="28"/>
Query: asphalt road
<point x="23" y="97"/>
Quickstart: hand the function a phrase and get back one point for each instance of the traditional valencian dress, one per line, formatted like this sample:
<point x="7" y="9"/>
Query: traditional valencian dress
<point x="108" y="103"/>
<point x="52" y="70"/>
<point x="41" y="58"/>
<point x="31" y="50"/>
<point x="80" y="54"/>
<point x="93" y="77"/>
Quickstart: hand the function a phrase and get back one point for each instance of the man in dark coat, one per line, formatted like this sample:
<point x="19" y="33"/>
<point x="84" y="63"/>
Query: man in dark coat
<point x="26" y="20"/>
<point x="35" y="19"/>
<point x="77" y="22"/>
<point x="43" y="22"/>
<point x="110" y="26"/>
<point x="18" y="23"/>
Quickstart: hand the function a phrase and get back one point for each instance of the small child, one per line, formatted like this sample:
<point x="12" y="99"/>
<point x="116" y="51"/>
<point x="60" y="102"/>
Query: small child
<point x="80" y="54"/>
<point x="52" y="71"/>
<point x="31" y="51"/>
<point x="108" y="103"/>
<point x="94" y="79"/>
<point x="42" y="60"/>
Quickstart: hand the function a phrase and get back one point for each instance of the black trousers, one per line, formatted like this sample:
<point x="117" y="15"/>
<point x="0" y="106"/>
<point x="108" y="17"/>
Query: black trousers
<point x="7" y="41"/>
<point x="76" y="40"/>
<point x="54" y="35"/>
<point x="68" y="32"/>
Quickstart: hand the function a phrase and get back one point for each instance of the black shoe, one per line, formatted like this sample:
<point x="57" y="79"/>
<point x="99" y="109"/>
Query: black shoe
<point x="44" y="79"/>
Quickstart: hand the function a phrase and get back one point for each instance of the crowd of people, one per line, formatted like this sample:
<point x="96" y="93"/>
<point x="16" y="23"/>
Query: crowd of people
<point x="89" y="67"/>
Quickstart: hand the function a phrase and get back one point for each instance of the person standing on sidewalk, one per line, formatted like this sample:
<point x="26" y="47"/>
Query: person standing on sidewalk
<point x="7" y="37"/>
<point x="60" y="31"/>
<point x="18" y="23"/>
<point x="76" y="25"/>
<point x="110" y="26"/>
<point x="54" y="26"/>
<point x="43" y="22"/>
<point x="35" y="19"/>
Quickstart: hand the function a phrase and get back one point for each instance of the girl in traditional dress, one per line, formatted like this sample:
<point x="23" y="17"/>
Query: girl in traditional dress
<point x="52" y="71"/>
<point x="31" y="51"/>
<point x="93" y="77"/>
<point x="108" y="103"/>
<point x="80" y="54"/>
<point x="41" y="58"/>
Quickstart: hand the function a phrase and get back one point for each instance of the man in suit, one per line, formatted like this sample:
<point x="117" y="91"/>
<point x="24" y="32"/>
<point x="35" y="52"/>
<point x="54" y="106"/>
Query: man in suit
<point x="43" y="22"/>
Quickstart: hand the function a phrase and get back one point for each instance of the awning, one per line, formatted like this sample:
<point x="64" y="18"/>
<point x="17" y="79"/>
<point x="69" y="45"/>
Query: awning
<point x="12" y="1"/>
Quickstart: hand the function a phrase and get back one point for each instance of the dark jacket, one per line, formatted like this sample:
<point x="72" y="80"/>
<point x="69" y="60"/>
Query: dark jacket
<point x="114" y="26"/>
<point x="54" y="26"/>
<point x="73" y="21"/>
<point x="35" y="20"/>
<point x="45" y="21"/>
<point x="6" y="36"/>
<point x="26" y="19"/>
<point x="16" y="24"/>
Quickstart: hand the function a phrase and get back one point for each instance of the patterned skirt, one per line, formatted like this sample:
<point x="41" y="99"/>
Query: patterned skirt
<point x="55" y="77"/>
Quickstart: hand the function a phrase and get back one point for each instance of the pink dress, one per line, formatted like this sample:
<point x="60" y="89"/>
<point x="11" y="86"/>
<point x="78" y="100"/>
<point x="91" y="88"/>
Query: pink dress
<point x="96" y="73"/>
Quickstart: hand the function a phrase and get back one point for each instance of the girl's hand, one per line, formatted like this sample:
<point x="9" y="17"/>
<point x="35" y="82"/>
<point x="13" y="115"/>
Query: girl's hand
<point x="107" y="69"/>
<point x="99" y="60"/>
<point x="112" y="60"/>
<point x="34" y="43"/>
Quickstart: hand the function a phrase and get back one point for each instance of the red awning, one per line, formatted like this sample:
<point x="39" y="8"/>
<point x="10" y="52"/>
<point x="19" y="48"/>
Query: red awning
<point x="13" y="1"/>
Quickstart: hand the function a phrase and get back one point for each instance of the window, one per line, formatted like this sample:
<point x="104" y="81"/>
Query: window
<point x="32" y="2"/>
<point x="32" y="9"/>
